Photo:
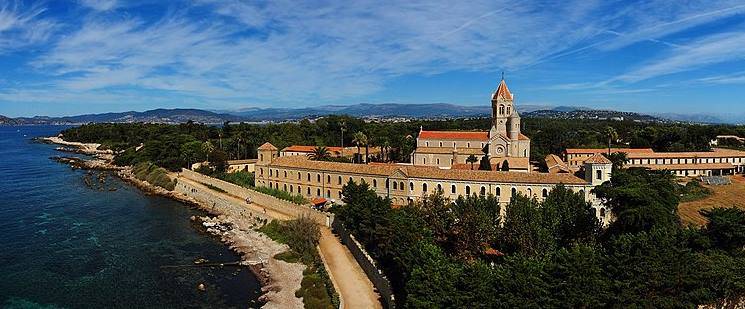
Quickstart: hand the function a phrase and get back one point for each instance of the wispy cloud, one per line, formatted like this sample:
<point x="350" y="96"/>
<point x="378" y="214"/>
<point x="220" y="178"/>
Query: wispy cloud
<point x="100" y="5"/>
<point x="21" y="26"/>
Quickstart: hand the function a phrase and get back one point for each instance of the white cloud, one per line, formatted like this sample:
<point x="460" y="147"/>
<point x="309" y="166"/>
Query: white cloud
<point x="100" y="5"/>
<point x="21" y="26"/>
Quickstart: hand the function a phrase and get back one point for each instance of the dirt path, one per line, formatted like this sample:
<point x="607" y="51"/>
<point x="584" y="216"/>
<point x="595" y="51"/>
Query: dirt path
<point x="350" y="281"/>
<point x="723" y="196"/>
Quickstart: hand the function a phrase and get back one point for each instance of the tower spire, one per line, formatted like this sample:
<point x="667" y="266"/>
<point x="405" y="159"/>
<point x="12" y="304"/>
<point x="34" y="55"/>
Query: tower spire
<point x="502" y="75"/>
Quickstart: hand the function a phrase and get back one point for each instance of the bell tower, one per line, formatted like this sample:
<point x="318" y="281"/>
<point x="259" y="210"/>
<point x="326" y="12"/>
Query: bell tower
<point x="501" y="104"/>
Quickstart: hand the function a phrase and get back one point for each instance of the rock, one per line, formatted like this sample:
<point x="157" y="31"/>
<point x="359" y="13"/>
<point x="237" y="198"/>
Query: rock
<point x="201" y="287"/>
<point x="200" y="261"/>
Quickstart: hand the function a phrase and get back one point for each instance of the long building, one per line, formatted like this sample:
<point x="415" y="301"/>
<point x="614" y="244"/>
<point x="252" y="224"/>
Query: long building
<point x="717" y="162"/>
<point x="406" y="183"/>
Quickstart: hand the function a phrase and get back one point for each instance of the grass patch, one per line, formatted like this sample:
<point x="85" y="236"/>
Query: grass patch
<point x="283" y="195"/>
<point x="288" y="256"/>
<point x="154" y="174"/>
<point x="241" y="178"/>
<point x="302" y="236"/>
<point x="214" y="188"/>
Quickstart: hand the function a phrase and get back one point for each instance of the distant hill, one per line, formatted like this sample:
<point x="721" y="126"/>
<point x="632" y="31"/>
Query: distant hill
<point x="151" y="116"/>
<point x="384" y="110"/>
<point x="593" y="114"/>
<point x="370" y="111"/>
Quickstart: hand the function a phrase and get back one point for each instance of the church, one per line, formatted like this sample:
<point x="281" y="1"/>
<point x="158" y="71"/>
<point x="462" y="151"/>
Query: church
<point x="504" y="145"/>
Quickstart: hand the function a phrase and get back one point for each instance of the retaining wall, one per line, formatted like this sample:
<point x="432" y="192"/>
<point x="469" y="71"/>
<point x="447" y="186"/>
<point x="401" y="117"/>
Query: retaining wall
<point x="265" y="200"/>
<point x="365" y="261"/>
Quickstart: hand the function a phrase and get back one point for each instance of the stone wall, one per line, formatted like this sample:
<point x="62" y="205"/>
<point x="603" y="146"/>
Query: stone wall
<point x="267" y="201"/>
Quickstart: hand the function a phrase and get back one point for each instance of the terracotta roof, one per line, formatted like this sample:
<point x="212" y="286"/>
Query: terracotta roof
<point x="598" y="159"/>
<point x="555" y="164"/>
<point x="427" y="172"/>
<point x="310" y="148"/>
<point x="605" y="150"/>
<point x="450" y="135"/>
<point x="449" y="150"/>
<point x="672" y="167"/>
<point x="267" y="146"/>
<point x="716" y="153"/>
<point x="522" y="137"/>
<point x="502" y="91"/>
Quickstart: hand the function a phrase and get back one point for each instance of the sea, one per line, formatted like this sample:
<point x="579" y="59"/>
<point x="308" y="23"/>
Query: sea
<point x="80" y="239"/>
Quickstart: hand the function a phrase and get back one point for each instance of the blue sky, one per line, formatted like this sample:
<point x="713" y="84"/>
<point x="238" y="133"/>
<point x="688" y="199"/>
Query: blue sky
<point x="71" y="57"/>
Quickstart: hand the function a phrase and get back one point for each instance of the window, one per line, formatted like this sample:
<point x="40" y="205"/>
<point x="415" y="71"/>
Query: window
<point x="440" y="144"/>
<point x="261" y="171"/>
<point x="375" y="183"/>
<point x="328" y="193"/>
<point x="602" y="212"/>
<point x="599" y="175"/>
<point x="298" y="176"/>
<point x="395" y="186"/>
<point x="498" y="191"/>
<point x="270" y="172"/>
<point x="285" y="187"/>
<point x="299" y="191"/>
<point x="530" y="192"/>
<point x="350" y="179"/>
<point x="439" y="187"/>
<point x="261" y="157"/>
<point x="468" y="145"/>
<point x="438" y="161"/>
<point x="339" y="194"/>
<point x="424" y="161"/>
<point x="411" y="186"/>
<point x="424" y="187"/>
<point x="468" y="190"/>
<point x="339" y="179"/>
<point x="545" y="192"/>
<point x="291" y="189"/>
<point x="308" y="191"/>
<point x="328" y="178"/>
<point x="401" y="185"/>
<point x="426" y="144"/>
<point x="318" y="178"/>
<point x="508" y="110"/>
<point x="483" y="190"/>
<point x="308" y="177"/>
<point x="514" y="191"/>
<point x="318" y="192"/>
<point x="452" y="189"/>
<point x="285" y="174"/>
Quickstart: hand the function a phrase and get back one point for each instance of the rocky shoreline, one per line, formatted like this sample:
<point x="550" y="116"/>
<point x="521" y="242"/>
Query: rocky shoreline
<point x="279" y="280"/>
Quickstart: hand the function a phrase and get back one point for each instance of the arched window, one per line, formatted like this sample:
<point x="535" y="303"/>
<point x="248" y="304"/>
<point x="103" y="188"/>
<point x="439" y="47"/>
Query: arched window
<point x="439" y="187"/>
<point x="328" y="178"/>
<point x="514" y="191"/>
<point x="508" y="110"/>
<point x="308" y="177"/>
<point x="261" y="171"/>
<point x="375" y="183"/>
<point x="468" y="145"/>
<point x="452" y="189"/>
<point x="318" y="178"/>
<point x="498" y="191"/>
<point x="285" y="187"/>
<point x="395" y="186"/>
<point x="318" y="192"/>
<point x="387" y="183"/>
<point x="298" y="176"/>
<point x="328" y="193"/>
<point x="339" y="179"/>
<point x="299" y="191"/>
<point x="424" y="160"/>
<point x="440" y="144"/>
<point x="350" y="179"/>
<point x="438" y="161"/>
<point x="599" y="175"/>
<point x="285" y="174"/>
<point x="530" y="192"/>
<point x="270" y="172"/>
<point x="411" y="186"/>
<point x="308" y="191"/>
<point x="468" y="190"/>
<point x="424" y="187"/>
<point x="426" y="144"/>
<point x="545" y="192"/>
<point x="261" y="157"/>
<point x="401" y="185"/>
<point x="501" y="109"/>
<point x="483" y="190"/>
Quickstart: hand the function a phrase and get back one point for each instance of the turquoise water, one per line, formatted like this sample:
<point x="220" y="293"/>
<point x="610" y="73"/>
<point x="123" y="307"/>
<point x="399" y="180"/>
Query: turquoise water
<point x="67" y="244"/>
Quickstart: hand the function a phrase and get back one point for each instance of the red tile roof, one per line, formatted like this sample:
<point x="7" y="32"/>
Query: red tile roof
<point x="605" y="150"/>
<point x="598" y="159"/>
<point x="502" y="92"/>
<point x="310" y="148"/>
<point x="450" y="135"/>
<point x="267" y="146"/>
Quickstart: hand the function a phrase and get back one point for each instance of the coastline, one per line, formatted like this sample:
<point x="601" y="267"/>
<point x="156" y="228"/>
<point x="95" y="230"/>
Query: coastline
<point x="279" y="280"/>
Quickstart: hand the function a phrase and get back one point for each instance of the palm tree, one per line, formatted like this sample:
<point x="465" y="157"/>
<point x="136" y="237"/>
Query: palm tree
<point x="319" y="153"/>
<point x="359" y="139"/>
<point x="471" y="159"/>
<point x="208" y="148"/>
<point x="612" y="135"/>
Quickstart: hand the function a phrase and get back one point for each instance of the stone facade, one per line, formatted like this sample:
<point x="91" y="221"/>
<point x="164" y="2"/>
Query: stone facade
<point x="504" y="139"/>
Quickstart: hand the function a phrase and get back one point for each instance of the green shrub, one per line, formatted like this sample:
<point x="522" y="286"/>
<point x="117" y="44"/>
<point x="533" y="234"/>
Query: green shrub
<point x="692" y="191"/>
<point x="288" y="256"/>
<point x="154" y="175"/>
<point x="241" y="178"/>
<point x="284" y="195"/>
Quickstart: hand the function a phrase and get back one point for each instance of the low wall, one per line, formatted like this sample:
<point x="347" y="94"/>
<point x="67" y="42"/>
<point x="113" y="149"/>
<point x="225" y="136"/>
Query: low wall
<point x="214" y="199"/>
<point x="265" y="200"/>
<point x="365" y="261"/>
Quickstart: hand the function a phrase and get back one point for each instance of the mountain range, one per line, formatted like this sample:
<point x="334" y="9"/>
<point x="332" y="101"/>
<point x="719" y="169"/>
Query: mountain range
<point x="365" y="110"/>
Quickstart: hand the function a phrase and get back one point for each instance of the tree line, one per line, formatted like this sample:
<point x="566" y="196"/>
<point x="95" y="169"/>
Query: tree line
<point x="176" y="146"/>
<point x="441" y="253"/>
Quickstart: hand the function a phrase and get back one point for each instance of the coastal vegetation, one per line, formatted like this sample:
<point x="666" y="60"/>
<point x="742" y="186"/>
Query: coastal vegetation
<point x="440" y="253"/>
<point x="177" y="146"/>
<point x="302" y="236"/>
<point x="153" y="174"/>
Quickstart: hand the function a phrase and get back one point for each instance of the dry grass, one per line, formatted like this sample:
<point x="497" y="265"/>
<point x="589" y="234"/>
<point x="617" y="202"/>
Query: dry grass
<point x="722" y="196"/>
